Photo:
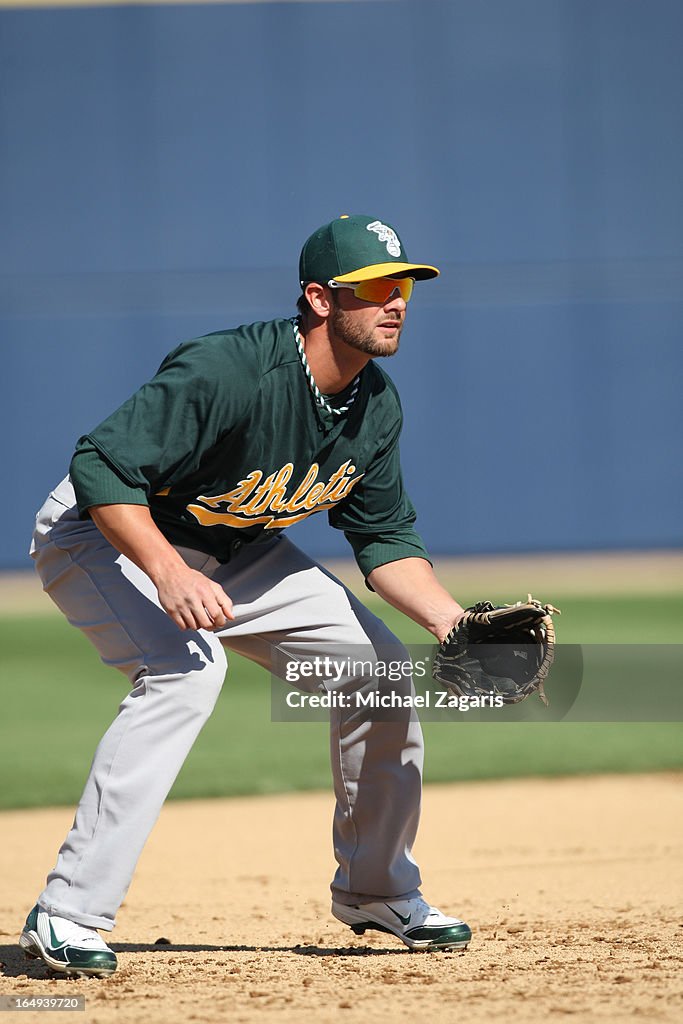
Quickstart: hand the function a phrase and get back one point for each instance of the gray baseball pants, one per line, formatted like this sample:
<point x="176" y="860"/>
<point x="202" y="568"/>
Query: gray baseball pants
<point x="283" y="602"/>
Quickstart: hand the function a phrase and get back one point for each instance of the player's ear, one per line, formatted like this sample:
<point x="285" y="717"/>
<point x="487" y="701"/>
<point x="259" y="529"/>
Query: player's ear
<point x="318" y="299"/>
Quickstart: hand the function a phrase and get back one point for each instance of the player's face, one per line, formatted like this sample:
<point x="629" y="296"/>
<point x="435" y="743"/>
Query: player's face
<point x="370" y="327"/>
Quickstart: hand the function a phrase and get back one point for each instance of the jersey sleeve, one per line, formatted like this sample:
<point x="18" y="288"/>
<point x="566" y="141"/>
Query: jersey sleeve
<point x="378" y="517"/>
<point x="159" y="435"/>
<point x="96" y="482"/>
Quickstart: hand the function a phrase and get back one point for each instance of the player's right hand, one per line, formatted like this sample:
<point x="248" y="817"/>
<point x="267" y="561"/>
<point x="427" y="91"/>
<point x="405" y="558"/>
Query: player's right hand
<point x="192" y="600"/>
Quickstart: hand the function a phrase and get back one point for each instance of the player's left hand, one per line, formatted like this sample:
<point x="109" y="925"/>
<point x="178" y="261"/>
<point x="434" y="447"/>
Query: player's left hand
<point x="503" y="652"/>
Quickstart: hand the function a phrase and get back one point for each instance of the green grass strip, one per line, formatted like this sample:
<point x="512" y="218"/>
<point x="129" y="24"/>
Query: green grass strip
<point x="58" y="699"/>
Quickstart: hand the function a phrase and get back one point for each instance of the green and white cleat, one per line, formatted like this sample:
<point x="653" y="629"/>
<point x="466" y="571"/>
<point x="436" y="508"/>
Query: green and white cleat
<point x="65" y="946"/>
<point x="417" y="924"/>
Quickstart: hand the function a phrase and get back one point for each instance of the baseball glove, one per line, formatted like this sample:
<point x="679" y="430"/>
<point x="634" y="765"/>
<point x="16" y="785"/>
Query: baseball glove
<point x="503" y="652"/>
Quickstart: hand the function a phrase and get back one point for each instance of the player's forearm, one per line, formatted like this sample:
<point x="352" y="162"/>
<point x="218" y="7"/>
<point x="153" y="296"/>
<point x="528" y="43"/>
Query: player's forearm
<point x="133" y="532"/>
<point x="187" y="596"/>
<point x="410" y="585"/>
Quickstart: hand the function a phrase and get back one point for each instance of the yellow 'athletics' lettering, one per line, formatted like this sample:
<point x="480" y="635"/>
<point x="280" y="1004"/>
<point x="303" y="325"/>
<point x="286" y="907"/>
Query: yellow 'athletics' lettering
<point x="256" y="500"/>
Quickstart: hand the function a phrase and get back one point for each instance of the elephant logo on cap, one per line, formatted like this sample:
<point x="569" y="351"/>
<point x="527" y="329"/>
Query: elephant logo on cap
<point x="388" y="235"/>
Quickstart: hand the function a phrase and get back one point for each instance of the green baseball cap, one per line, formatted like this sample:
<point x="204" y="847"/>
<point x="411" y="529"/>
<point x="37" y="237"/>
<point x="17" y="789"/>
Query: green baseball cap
<point x="356" y="248"/>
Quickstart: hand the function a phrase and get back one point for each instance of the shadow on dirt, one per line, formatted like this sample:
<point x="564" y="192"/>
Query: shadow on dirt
<point x="14" y="963"/>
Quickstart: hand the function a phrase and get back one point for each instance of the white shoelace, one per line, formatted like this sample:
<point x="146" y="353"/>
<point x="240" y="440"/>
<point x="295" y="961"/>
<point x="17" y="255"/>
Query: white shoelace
<point x="315" y="390"/>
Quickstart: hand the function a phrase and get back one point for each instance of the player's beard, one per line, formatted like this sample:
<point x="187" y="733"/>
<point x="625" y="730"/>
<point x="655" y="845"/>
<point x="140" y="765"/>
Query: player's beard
<point x="356" y="336"/>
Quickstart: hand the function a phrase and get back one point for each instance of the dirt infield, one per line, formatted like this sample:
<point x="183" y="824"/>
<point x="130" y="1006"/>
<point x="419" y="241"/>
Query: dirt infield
<point x="573" y="888"/>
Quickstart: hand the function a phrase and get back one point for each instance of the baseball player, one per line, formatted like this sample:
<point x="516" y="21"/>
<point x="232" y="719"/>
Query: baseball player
<point x="166" y="544"/>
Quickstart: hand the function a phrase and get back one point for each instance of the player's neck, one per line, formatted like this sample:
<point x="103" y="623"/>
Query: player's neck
<point x="333" y="364"/>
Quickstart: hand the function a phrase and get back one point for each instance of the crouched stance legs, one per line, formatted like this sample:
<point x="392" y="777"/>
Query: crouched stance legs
<point x="285" y="605"/>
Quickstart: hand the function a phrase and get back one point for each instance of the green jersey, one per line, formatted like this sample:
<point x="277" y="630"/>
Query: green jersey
<point x="227" y="445"/>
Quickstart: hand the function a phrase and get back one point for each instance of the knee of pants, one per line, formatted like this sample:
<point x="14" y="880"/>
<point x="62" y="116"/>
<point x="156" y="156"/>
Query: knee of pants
<point x="196" y="690"/>
<point x="377" y="687"/>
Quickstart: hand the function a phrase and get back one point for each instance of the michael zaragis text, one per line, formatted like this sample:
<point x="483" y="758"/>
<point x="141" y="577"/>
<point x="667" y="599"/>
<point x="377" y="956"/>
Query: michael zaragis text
<point x="374" y="699"/>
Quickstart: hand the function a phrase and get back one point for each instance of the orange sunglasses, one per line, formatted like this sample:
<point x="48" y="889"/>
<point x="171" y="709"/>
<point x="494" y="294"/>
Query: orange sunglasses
<point x="379" y="289"/>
